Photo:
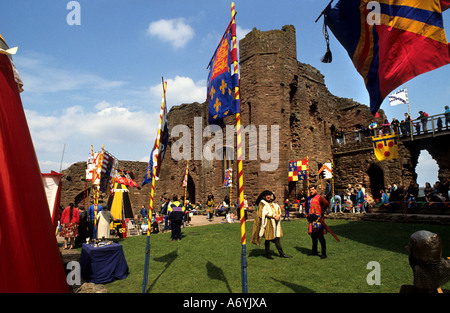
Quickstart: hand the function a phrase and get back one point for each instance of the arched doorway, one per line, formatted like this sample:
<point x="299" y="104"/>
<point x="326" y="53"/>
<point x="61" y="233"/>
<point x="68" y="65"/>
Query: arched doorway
<point x="376" y="176"/>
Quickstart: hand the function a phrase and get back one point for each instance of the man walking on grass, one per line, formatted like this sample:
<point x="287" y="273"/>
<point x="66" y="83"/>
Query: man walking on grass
<point x="317" y="206"/>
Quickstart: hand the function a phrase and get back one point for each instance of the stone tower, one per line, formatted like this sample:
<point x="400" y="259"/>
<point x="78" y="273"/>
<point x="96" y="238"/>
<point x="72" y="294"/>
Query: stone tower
<point x="287" y="113"/>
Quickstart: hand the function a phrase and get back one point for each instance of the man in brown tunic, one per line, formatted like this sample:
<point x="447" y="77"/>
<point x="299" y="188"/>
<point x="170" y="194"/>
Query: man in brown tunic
<point x="268" y="223"/>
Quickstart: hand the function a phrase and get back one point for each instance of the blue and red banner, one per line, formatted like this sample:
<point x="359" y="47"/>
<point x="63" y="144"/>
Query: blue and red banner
<point x="298" y="170"/>
<point x="390" y="42"/>
<point x="228" y="180"/>
<point x="221" y="81"/>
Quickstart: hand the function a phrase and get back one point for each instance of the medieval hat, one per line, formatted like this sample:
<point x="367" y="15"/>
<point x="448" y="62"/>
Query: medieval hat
<point x="263" y="194"/>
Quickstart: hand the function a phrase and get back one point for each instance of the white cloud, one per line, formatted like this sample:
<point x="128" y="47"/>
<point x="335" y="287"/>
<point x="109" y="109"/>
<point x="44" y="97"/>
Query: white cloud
<point x="39" y="76"/>
<point x="241" y="32"/>
<point x="181" y="90"/>
<point x="120" y="129"/>
<point x="175" y="31"/>
<point x="426" y="169"/>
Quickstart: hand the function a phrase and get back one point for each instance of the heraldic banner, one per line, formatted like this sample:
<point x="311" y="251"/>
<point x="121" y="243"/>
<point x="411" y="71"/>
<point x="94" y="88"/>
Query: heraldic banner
<point x="386" y="147"/>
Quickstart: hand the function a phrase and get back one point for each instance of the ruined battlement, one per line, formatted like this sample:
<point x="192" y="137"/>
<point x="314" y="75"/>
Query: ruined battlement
<point x="284" y="95"/>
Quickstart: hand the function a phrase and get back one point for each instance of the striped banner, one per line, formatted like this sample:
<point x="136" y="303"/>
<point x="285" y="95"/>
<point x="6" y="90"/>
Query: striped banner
<point x="239" y="151"/>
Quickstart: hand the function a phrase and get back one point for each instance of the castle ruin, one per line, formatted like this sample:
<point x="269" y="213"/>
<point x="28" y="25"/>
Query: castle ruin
<point x="280" y="95"/>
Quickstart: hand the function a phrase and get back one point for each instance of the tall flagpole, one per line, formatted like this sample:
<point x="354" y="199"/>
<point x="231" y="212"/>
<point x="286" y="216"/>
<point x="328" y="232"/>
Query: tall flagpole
<point x="98" y="170"/>
<point x="155" y="159"/>
<point x="185" y="186"/>
<point x="409" y="112"/>
<point x="239" y="156"/>
<point x="307" y="174"/>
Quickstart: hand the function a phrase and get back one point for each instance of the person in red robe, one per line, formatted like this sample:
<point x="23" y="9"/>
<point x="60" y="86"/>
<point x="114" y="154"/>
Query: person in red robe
<point x="317" y="206"/>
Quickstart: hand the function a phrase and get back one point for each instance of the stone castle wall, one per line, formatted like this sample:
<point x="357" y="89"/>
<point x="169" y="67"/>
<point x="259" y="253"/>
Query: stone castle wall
<point x="275" y="90"/>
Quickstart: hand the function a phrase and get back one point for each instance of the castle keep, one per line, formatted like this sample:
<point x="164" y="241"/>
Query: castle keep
<point x="285" y="105"/>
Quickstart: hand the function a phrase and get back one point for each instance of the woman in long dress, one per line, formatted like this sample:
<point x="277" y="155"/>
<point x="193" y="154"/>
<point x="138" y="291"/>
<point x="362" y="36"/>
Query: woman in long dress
<point x="104" y="220"/>
<point x="69" y="222"/>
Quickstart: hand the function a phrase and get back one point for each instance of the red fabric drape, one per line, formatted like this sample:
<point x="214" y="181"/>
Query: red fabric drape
<point x="29" y="255"/>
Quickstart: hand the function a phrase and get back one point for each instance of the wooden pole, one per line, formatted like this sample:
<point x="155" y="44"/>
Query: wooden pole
<point x="155" y="158"/>
<point x="410" y="118"/>
<point x="239" y="157"/>
<point x="185" y="186"/>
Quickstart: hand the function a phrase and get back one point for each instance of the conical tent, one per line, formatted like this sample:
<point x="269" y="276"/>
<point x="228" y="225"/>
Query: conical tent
<point x="119" y="202"/>
<point x="30" y="257"/>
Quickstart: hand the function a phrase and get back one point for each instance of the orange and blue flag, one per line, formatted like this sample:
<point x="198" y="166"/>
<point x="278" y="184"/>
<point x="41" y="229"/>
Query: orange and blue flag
<point x="221" y="81"/>
<point x="390" y="41"/>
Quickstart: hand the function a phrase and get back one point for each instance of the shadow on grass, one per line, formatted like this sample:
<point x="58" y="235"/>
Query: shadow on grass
<point x="388" y="236"/>
<point x="215" y="272"/>
<point x="303" y="250"/>
<point x="295" y="288"/>
<point x="168" y="259"/>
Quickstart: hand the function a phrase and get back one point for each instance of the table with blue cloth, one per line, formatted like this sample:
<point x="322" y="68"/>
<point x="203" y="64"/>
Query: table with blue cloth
<point x="103" y="264"/>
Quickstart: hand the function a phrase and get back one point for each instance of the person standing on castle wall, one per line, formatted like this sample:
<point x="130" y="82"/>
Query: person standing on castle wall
<point x="339" y="135"/>
<point x="395" y="126"/>
<point x="267" y="223"/>
<point x="417" y="127"/>
<point x="372" y="126"/>
<point x="423" y="119"/>
<point x="404" y="128"/>
<point x="386" y="126"/>
<point x="447" y="116"/>
<point x="316" y="208"/>
<point x="408" y="123"/>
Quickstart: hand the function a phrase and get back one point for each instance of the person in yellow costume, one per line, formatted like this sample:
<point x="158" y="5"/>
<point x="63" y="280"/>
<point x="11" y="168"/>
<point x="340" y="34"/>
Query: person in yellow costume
<point x="267" y="223"/>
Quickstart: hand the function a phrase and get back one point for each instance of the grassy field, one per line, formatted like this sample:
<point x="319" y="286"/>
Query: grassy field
<point x="208" y="260"/>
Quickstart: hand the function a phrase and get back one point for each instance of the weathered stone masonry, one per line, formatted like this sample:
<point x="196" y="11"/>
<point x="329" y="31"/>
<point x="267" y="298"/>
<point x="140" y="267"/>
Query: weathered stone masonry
<point x="275" y="89"/>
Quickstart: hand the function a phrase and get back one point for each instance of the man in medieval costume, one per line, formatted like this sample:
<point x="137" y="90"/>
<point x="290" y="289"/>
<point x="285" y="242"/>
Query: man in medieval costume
<point x="317" y="206"/>
<point x="267" y="223"/>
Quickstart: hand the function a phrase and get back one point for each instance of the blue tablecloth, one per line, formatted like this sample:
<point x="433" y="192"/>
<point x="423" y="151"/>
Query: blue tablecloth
<point x="103" y="264"/>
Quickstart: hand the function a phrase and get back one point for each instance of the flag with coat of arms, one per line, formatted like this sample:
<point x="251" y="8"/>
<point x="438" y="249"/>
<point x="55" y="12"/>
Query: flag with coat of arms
<point x="298" y="170"/>
<point x="221" y="81"/>
<point x="386" y="147"/>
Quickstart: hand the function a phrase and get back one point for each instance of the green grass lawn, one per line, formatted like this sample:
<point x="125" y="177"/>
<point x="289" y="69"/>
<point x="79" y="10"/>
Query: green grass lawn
<point x="208" y="260"/>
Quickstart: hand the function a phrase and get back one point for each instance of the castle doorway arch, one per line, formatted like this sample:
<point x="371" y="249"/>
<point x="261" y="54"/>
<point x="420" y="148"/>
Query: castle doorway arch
<point x="191" y="190"/>
<point x="376" y="176"/>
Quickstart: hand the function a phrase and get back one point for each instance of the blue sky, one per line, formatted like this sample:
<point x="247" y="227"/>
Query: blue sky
<point x="100" y="82"/>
